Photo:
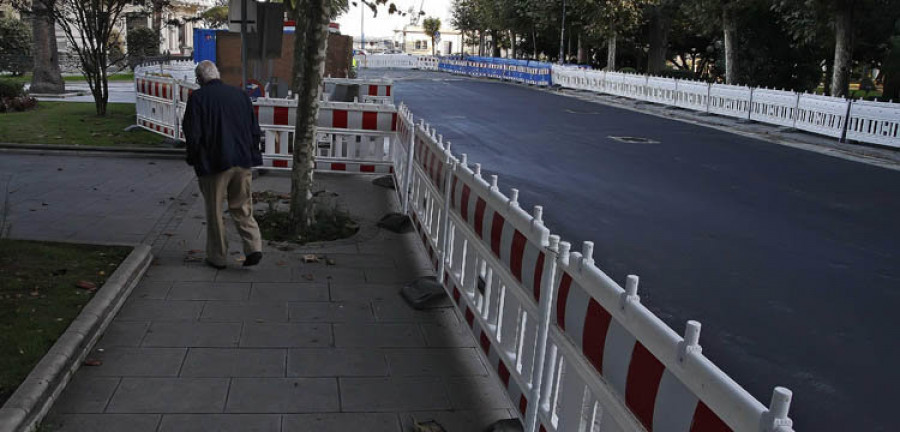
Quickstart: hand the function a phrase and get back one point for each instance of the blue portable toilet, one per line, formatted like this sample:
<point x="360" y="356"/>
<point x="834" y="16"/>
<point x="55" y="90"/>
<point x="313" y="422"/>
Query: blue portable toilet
<point x="204" y="45"/>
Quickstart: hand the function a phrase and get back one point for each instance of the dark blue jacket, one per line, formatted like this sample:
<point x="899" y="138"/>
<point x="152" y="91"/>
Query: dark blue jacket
<point x="221" y="129"/>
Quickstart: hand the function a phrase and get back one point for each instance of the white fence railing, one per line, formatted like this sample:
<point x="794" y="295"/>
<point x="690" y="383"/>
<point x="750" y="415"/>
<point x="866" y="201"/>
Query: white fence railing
<point x="861" y="121"/>
<point x="573" y="350"/>
<point x="396" y="61"/>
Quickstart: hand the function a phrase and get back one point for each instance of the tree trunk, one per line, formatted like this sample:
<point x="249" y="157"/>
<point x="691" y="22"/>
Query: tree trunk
<point x="843" y="48"/>
<point x="512" y="45"/>
<point x="611" y="51"/>
<point x="660" y="24"/>
<point x="481" y="43"/>
<point x="729" y="24"/>
<point x="582" y="52"/>
<point x="495" y="43"/>
<point x="310" y="44"/>
<point x="534" y="42"/>
<point x="47" y="77"/>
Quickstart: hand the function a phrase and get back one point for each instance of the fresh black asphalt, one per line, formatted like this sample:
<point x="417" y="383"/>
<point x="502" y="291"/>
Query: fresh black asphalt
<point x="788" y="258"/>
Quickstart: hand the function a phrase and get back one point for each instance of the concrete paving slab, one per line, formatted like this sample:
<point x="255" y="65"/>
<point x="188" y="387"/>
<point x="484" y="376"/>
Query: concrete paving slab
<point x="160" y="310"/>
<point x="244" y="311"/>
<point x="86" y="394"/>
<point x="170" y="395"/>
<point x="396" y="309"/>
<point x="476" y="392"/>
<point x="393" y="394"/>
<point x="341" y="422"/>
<point x="336" y="362"/>
<point x="292" y="291"/>
<point x="283" y="395"/>
<point x="193" y="334"/>
<point x="331" y="274"/>
<point x="447" y="334"/>
<point x="378" y="335"/>
<point x="234" y="362"/>
<point x="182" y="273"/>
<point x="123" y="333"/>
<point x="209" y="291"/>
<point x="357" y="292"/>
<point x="156" y="290"/>
<point x="220" y="423"/>
<point x="286" y="335"/>
<point x="241" y="274"/>
<point x="101" y="423"/>
<point x="333" y="312"/>
<point x="137" y="362"/>
<point x="457" y="420"/>
<point x="446" y="362"/>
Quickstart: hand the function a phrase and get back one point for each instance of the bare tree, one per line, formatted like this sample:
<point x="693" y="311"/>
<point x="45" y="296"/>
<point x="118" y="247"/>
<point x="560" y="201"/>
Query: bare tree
<point x="89" y="29"/>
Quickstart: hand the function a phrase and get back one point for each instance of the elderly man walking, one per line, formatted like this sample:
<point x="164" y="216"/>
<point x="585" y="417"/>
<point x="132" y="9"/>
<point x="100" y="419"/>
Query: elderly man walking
<point x="223" y="135"/>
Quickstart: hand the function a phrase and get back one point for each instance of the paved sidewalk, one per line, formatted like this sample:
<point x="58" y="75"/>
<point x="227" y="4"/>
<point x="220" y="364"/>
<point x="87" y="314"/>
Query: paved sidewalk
<point x="286" y="346"/>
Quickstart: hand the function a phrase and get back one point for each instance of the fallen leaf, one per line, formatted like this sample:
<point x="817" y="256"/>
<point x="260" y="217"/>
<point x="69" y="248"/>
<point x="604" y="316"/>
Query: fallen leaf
<point x="281" y="263"/>
<point x="35" y="293"/>
<point x="309" y="277"/>
<point x="195" y="251"/>
<point x="101" y="273"/>
<point x="240" y="259"/>
<point x="193" y="259"/>
<point x="85" y="285"/>
<point x="330" y="262"/>
<point x="310" y="258"/>
<point x="92" y="362"/>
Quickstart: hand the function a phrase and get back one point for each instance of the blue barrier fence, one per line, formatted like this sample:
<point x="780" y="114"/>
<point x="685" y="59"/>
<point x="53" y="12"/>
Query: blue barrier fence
<point x="521" y="71"/>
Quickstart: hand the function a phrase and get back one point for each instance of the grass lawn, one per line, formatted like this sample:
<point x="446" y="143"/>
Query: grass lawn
<point x="75" y="123"/>
<point x="39" y="298"/>
<point x="26" y="78"/>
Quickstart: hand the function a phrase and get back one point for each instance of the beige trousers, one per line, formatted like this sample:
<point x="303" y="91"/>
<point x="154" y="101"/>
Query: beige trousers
<point x="234" y="184"/>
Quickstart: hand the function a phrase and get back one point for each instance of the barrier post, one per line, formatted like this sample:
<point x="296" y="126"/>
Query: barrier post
<point x="846" y="121"/>
<point x="548" y="279"/>
<point x="796" y="112"/>
<point x="176" y="93"/>
<point x="444" y="242"/>
<point x="409" y="163"/>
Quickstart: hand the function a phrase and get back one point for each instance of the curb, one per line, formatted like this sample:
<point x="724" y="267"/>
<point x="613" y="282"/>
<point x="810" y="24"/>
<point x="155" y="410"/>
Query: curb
<point x="27" y="407"/>
<point x="76" y="150"/>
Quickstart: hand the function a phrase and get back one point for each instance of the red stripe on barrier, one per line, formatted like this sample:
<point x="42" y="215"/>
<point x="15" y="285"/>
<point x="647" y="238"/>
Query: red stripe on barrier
<point x="538" y="276"/>
<point x="593" y="339"/>
<point x="470" y="317"/>
<point x="456" y="294"/>
<point x="280" y="116"/>
<point x="367" y="168"/>
<point x="394" y="122"/>
<point x="644" y="375"/>
<point x="387" y="90"/>
<point x="464" y="207"/>
<point x="564" y="284"/>
<point x="485" y="343"/>
<point x="453" y="192"/>
<point x="156" y="90"/>
<point x="523" y="404"/>
<point x="339" y="119"/>
<point x="543" y="429"/>
<point x="504" y="373"/>
<point x="479" y="216"/>
<point x="335" y="166"/>
<point x="370" y="120"/>
<point x="280" y="163"/>
<point x="516" y="254"/>
<point x="707" y="421"/>
<point x="256" y="110"/>
<point x="373" y="90"/>
<point x="496" y="233"/>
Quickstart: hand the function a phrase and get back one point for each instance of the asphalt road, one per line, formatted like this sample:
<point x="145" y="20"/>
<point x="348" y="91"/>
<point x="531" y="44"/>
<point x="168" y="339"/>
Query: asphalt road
<point x="788" y="258"/>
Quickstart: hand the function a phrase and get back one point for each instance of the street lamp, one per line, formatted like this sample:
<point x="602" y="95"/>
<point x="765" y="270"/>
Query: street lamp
<point x="562" y="35"/>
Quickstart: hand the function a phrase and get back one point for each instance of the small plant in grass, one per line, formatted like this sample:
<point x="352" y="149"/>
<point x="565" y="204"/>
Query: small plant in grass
<point x="13" y="97"/>
<point x="331" y="222"/>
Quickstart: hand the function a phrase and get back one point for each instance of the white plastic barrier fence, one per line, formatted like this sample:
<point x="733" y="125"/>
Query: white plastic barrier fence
<point x="396" y="61"/>
<point x="381" y="88"/>
<point x="875" y="122"/>
<point x="824" y="115"/>
<point x="573" y="350"/>
<point x="155" y="105"/>
<point x="776" y="107"/>
<point x="730" y="100"/>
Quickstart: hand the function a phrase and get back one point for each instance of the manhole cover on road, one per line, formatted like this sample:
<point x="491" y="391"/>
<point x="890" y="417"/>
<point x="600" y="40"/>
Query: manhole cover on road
<point x="634" y="140"/>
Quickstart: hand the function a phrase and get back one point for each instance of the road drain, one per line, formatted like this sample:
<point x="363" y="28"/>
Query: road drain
<point x="634" y="140"/>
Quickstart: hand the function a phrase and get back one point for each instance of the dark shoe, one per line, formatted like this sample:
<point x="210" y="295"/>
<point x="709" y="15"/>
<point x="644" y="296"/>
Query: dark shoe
<point x="214" y="265"/>
<point x="253" y="259"/>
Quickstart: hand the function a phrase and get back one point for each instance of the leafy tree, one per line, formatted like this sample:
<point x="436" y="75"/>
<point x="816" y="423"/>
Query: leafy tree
<point x="15" y="46"/>
<point x="142" y="42"/>
<point x="891" y="67"/>
<point x="89" y="26"/>
<point x="432" y="27"/>
<point x="216" y="16"/>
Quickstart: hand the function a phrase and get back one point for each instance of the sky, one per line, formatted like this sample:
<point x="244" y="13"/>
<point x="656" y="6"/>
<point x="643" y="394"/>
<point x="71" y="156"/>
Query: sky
<point x="385" y="24"/>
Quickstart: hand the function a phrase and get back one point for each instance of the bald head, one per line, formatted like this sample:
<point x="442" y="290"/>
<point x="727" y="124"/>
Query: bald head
<point x="206" y="71"/>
